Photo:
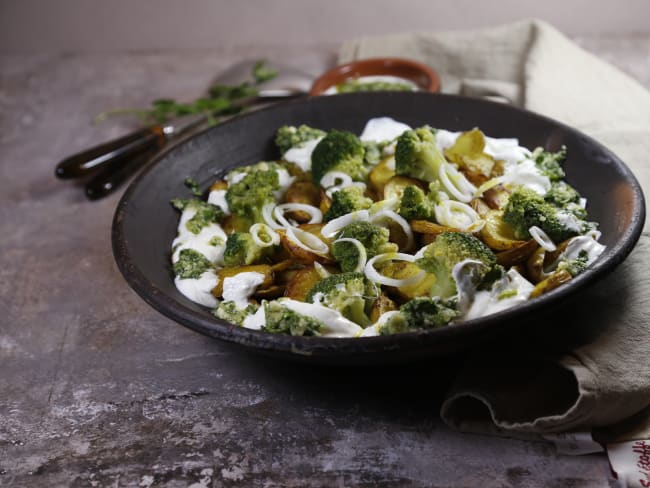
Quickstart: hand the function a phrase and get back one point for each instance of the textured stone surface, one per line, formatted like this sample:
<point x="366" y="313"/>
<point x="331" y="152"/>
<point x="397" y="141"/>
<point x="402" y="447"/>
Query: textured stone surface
<point x="97" y="389"/>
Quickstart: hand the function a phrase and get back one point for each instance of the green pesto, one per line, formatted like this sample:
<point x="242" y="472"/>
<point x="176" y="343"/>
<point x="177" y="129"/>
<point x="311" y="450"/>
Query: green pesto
<point x="228" y="311"/>
<point x="191" y="264"/>
<point x="282" y="320"/>
<point x="206" y="213"/>
<point x="193" y="185"/>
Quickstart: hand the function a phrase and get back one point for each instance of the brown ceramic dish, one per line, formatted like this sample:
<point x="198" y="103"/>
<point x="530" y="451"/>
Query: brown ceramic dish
<point x="145" y="223"/>
<point x="424" y="77"/>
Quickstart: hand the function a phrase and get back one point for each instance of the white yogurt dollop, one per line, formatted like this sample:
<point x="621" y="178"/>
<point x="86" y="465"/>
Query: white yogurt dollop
<point x="240" y="287"/>
<point x="382" y="129"/>
<point x="199" y="290"/>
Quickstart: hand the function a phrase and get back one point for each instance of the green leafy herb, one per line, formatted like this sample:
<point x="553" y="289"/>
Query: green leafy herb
<point x="219" y="102"/>
<point x="205" y="213"/>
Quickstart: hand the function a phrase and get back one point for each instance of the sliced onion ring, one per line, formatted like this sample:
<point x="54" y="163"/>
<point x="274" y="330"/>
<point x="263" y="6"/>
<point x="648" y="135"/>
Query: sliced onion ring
<point x="320" y="269"/>
<point x="542" y="239"/>
<point x="461" y="189"/>
<point x="257" y="229"/>
<point x="309" y="242"/>
<point x="363" y="256"/>
<point x="333" y="226"/>
<point x="399" y="220"/>
<point x="444" y="209"/>
<point x="489" y="184"/>
<point x="316" y="216"/>
<point x="335" y="178"/>
<point x="373" y="275"/>
<point x="267" y="215"/>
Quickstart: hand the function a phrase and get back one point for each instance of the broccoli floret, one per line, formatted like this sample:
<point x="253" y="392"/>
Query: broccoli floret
<point x="449" y="249"/>
<point x="420" y="313"/>
<point x="191" y="264"/>
<point x="416" y="154"/>
<point x="550" y="163"/>
<point x="373" y="238"/>
<point x="345" y="201"/>
<point x="205" y="213"/>
<point x="348" y="293"/>
<point x="373" y="151"/>
<point x="561" y="194"/>
<point x="526" y="208"/>
<point x="338" y="151"/>
<point x="575" y="266"/>
<point x="228" y="311"/>
<point x="242" y="250"/>
<point x="289" y="136"/>
<point x="282" y="320"/>
<point x="415" y="204"/>
<point x="247" y="197"/>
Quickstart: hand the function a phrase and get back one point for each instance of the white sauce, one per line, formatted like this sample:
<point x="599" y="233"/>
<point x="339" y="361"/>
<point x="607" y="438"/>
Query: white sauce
<point x="218" y="198"/>
<point x="487" y="302"/>
<point x="199" y="242"/>
<point x="583" y="243"/>
<point x="233" y="178"/>
<point x="445" y="139"/>
<point x="240" y="287"/>
<point x="336" y="325"/>
<point x="255" y="321"/>
<point x="568" y="220"/>
<point x="507" y="150"/>
<point x="199" y="290"/>
<point x="526" y="174"/>
<point x="333" y="90"/>
<point x="382" y="129"/>
<point x="301" y="155"/>
<point x="285" y="180"/>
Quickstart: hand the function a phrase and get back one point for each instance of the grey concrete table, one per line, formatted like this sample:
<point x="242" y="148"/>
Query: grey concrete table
<point x="98" y="389"/>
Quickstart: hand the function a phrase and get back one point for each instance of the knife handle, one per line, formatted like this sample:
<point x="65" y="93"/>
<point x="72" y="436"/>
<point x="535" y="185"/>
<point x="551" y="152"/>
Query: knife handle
<point x="112" y="154"/>
<point x="111" y="177"/>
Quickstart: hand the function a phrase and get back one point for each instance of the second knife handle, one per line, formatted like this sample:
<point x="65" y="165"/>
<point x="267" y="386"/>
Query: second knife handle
<point x="112" y="154"/>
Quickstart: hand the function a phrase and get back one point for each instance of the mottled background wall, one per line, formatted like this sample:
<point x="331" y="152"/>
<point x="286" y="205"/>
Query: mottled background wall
<point x="94" y="25"/>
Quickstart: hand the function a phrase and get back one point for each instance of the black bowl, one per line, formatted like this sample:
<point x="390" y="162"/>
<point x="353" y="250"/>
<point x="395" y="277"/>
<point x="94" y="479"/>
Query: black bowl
<point x="145" y="224"/>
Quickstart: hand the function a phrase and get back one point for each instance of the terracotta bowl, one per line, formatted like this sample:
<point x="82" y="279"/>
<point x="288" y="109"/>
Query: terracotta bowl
<point x="424" y="77"/>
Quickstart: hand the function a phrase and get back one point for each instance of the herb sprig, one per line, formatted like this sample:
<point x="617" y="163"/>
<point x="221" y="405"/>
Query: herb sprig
<point x="219" y="101"/>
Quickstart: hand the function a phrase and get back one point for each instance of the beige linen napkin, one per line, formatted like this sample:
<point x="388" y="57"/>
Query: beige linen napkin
<point x="601" y="383"/>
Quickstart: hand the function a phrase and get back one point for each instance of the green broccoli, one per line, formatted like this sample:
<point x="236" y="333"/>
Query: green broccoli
<point x="420" y="313"/>
<point x="338" y="151"/>
<point x="282" y="320"/>
<point x="417" y="156"/>
<point x="247" y="197"/>
<point x="349" y="293"/>
<point x="228" y="311"/>
<point x="242" y="250"/>
<point x="415" y="204"/>
<point x="289" y="136"/>
<point x="561" y="194"/>
<point x="345" y="201"/>
<point x="205" y="213"/>
<point x="525" y="208"/>
<point x="575" y="266"/>
<point x="550" y="163"/>
<point x="191" y="264"/>
<point x="373" y="151"/>
<point x="449" y="249"/>
<point x="373" y="238"/>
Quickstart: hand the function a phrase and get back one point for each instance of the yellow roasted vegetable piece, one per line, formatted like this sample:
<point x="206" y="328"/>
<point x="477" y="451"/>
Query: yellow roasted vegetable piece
<point x="229" y="272"/>
<point x="468" y="153"/>
<point x="497" y="234"/>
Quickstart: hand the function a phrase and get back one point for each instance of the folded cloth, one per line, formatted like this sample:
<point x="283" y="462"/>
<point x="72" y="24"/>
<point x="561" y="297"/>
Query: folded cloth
<point x="600" y="382"/>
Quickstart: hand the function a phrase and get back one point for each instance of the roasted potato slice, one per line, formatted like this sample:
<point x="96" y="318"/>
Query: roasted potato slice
<point x="224" y="273"/>
<point x="273" y="291"/>
<point x="497" y="234"/>
<point x="219" y="185"/>
<point x="302" y="192"/>
<point x="299" y="253"/>
<point x="496" y="198"/>
<point x="394" y="187"/>
<point x="517" y="255"/>
<point x="480" y="206"/>
<point x="301" y="284"/>
<point x="468" y="153"/>
<point x="426" y="227"/>
<point x="235" y="223"/>
<point x="551" y="283"/>
<point x="381" y="305"/>
<point x="380" y="174"/>
<point x="325" y="201"/>
<point x="402" y="269"/>
<point x="535" y="265"/>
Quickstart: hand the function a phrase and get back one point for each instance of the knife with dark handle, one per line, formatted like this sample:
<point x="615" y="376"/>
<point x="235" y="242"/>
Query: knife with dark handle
<point x="111" y="163"/>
